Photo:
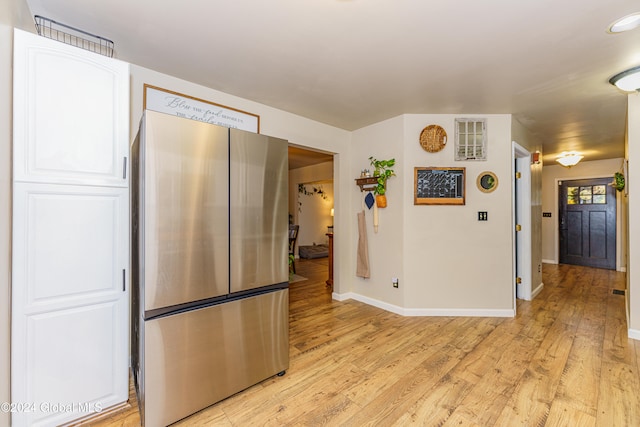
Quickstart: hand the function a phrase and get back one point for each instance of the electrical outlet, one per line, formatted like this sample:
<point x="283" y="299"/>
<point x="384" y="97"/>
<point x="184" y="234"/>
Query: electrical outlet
<point x="394" y="282"/>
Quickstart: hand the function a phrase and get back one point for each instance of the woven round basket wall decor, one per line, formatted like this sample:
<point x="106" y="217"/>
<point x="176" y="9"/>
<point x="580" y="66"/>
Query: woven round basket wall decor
<point x="433" y="138"/>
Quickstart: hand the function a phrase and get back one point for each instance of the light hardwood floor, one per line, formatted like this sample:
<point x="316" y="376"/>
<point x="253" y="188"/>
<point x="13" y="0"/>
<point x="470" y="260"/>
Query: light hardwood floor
<point x="564" y="360"/>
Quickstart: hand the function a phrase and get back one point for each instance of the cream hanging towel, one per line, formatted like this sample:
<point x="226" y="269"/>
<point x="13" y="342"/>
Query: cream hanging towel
<point x="362" y="268"/>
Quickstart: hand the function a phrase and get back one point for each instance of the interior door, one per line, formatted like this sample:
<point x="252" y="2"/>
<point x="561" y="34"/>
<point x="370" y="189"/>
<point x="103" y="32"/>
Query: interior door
<point x="522" y="224"/>
<point x="70" y="304"/>
<point x="587" y="223"/>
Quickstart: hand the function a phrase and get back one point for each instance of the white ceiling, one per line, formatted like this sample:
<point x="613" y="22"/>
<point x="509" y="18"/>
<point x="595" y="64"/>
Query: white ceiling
<point x="351" y="63"/>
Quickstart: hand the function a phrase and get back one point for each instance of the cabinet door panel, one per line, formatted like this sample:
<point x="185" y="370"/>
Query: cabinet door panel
<point x="64" y="371"/>
<point x="70" y="301"/>
<point x="71" y="240"/>
<point x="71" y="114"/>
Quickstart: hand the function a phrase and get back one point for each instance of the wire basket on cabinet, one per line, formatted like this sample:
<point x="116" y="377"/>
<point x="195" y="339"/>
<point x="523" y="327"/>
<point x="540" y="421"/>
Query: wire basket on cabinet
<point x="72" y="36"/>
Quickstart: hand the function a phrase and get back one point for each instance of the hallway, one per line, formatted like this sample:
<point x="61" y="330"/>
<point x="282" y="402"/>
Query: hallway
<point x="564" y="360"/>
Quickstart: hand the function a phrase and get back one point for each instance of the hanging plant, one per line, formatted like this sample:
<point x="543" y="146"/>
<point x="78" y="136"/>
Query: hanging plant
<point x="618" y="181"/>
<point x="382" y="171"/>
<point x="302" y="189"/>
<point x="315" y="189"/>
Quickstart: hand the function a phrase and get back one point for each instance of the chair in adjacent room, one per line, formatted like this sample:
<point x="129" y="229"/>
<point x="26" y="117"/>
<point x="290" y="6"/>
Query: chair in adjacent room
<point x="293" y="236"/>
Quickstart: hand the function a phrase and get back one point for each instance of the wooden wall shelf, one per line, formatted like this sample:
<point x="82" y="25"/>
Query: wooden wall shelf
<point x="367" y="184"/>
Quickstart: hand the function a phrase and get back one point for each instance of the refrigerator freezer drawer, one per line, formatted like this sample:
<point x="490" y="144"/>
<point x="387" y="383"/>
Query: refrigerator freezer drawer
<point x="197" y="358"/>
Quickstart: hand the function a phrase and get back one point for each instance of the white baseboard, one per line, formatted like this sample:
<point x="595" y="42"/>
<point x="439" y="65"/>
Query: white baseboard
<point x="634" y="334"/>
<point x="537" y="290"/>
<point x="459" y="312"/>
<point x="370" y="301"/>
<point x="341" y="297"/>
<point x="622" y="269"/>
<point x="430" y="312"/>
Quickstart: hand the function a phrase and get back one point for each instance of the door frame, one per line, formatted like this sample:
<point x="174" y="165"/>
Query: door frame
<point x="522" y="215"/>
<point x="556" y="226"/>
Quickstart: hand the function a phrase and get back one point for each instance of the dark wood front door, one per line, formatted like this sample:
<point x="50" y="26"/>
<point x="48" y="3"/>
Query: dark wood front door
<point x="588" y="223"/>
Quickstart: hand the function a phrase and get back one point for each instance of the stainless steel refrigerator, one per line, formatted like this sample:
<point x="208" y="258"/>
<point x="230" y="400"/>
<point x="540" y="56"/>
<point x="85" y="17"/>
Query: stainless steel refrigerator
<point x="209" y="264"/>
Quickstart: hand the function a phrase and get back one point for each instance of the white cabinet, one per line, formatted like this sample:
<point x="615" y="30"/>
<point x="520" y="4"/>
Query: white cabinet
<point x="71" y="114"/>
<point x="70" y="304"/>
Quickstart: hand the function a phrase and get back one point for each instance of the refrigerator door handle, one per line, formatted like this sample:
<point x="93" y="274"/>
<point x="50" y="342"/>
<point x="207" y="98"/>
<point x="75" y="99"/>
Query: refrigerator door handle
<point x="124" y="280"/>
<point x="124" y="168"/>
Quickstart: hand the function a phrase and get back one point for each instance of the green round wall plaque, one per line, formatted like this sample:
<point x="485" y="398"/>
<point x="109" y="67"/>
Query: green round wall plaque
<point x="487" y="182"/>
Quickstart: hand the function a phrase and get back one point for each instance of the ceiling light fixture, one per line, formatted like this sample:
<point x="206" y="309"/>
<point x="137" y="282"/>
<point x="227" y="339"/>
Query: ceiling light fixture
<point x="626" y="23"/>
<point x="569" y="158"/>
<point x="628" y="81"/>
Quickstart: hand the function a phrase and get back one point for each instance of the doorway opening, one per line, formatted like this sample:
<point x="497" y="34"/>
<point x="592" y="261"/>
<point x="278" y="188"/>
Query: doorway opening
<point x="311" y="203"/>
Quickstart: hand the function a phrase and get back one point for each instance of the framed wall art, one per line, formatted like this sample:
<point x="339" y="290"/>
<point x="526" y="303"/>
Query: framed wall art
<point x="439" y="186"/>
<point x="487" y="182"/>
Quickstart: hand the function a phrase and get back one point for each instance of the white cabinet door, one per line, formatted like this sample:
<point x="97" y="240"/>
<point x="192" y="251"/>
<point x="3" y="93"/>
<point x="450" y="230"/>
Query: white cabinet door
<point x="70" y="301"/>
<point x="71" y="114"/>
<point x="70" y="304"/>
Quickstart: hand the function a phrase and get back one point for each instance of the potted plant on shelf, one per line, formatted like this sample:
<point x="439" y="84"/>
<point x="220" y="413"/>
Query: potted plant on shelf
<point x="382" y="171"/>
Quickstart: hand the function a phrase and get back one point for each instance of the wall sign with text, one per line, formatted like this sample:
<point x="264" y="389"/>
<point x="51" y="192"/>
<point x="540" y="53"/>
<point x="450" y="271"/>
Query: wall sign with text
<point x="177" y="104"/>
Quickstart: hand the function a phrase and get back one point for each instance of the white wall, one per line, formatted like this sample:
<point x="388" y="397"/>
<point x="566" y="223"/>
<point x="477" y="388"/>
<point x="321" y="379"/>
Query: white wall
<point x="382" y="141"/>
<point x="452" y="260"/>
<point x="592" y="169"/>
<point x="13" y="13"/>
<point x="447" y="262"/>
<point x="633" y="182"/>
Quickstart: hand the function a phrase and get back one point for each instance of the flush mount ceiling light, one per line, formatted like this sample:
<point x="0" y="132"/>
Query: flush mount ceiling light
<point x="627" y="23"/>
<point x="569" y="158"/>
<point x="627" y="81"/>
